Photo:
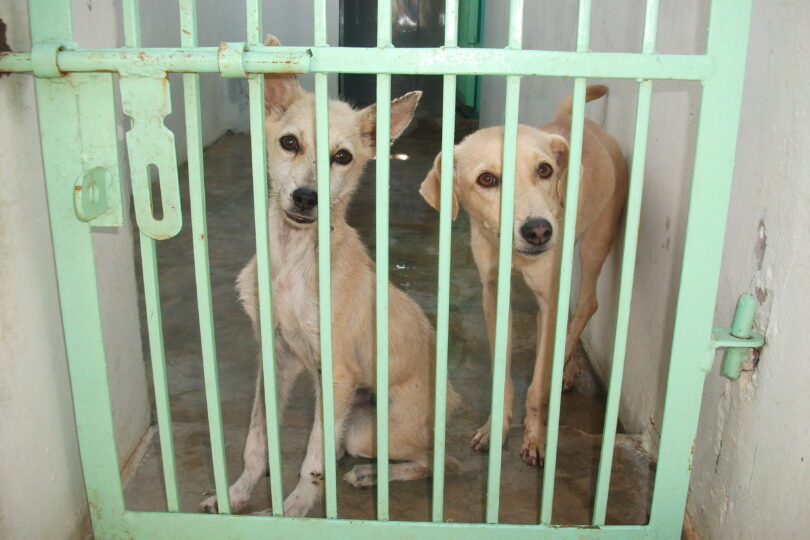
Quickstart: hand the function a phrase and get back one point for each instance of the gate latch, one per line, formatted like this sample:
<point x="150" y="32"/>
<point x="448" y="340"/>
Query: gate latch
<point x="145" y="99"/>
<point x="738" y="339"/>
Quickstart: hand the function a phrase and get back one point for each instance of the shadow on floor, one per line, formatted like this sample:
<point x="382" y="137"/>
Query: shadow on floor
<point x="413" y="263"/>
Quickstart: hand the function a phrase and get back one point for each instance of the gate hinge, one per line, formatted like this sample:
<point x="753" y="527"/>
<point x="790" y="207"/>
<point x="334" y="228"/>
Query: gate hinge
<point x="738" y="339"/>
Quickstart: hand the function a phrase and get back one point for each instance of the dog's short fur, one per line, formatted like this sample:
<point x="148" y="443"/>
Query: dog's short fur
<point x="293" y="246"/>
<point x="542" y="160"/>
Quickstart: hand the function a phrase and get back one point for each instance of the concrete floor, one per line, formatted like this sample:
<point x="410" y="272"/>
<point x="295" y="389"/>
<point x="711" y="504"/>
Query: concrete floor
<point x="413" y="257"/>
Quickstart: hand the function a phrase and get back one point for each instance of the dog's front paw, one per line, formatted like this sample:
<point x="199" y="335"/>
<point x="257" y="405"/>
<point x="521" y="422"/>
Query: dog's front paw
<point x="570" y="375"/>
<point x="209" y="505"/>
<point x="298" y="503"/>
<point x="480" y="441"/>
<point x="532" y="451"/>
<point x="361" y="476"/>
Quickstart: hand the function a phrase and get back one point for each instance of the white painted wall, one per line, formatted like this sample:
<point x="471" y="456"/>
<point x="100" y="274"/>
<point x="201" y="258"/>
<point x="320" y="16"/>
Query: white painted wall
<point x="751" y="474"/>
<point x="751" y="471"/>
<point x="41" y="491"/>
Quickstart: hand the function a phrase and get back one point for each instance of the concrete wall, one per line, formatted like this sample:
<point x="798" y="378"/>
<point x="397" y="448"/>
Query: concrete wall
<point x="41" y="492"/>
<point x="751" y="473"/>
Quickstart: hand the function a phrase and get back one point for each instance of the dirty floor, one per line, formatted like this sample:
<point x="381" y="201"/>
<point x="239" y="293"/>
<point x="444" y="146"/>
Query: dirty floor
<point x="413" y="263"/>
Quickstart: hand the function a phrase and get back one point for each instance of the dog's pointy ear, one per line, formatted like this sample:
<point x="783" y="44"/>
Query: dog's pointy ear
<point x="430" y="190"/>
<point x="402" y="110"/>
<point x="280" y="89"/>
<point x="559" y="150"/>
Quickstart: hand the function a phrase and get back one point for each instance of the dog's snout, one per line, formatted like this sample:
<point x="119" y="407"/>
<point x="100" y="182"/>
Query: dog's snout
<point x="305" y="199"/>
<point x="536" y="231"/>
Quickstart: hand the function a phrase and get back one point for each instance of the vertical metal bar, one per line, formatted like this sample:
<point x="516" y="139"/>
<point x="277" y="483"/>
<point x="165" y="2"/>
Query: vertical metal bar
<point x="132" y="23"/>
<point x="258" y="150"/>
<point x="566" y="260"/>
<point x="324" y="267"/>
<point x="253" y="22"/>
<point x="154" y="319"/>
<point x="383" y="144"/>
<point x="729" y="21"/>
<point x="443" y="294"/>
<point x="59" y="125"/>
<point x="154" y="323"/>
<point x="633" y="213"/>
<point x="504" y="268"/>
<point x="202" y="274"/>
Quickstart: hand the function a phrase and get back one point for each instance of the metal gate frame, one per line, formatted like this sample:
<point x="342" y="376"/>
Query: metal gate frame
<point x="79" y="144"/>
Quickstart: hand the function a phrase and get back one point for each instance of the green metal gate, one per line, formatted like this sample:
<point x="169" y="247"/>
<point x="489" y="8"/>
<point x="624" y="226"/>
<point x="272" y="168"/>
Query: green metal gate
<point x="75" y="96"/>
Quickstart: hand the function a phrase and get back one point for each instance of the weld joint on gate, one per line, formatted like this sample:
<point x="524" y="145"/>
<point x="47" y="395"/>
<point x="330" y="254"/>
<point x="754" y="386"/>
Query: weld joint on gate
<point x="230" y="59"/>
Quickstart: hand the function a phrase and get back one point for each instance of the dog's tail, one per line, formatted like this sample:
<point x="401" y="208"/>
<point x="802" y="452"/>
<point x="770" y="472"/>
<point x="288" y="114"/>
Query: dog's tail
<point x="595" y="91"/>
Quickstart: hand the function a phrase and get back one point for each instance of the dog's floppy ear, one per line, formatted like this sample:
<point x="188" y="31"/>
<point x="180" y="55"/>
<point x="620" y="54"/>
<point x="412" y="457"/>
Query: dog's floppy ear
<point x="402" y="110"/>
<point x="430" y="190"/>
<point x="280" y="89"/>
<point x="559" y="150"/>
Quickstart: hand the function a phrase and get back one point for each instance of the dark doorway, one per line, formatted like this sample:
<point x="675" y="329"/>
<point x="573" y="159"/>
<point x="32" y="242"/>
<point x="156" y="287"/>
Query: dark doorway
<point x="416" y="23"/>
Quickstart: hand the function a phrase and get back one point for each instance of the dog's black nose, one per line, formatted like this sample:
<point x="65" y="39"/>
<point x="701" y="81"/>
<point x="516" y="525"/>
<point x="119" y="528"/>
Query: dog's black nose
<point x="305" y="199"/>
<point x="536" y="231"/>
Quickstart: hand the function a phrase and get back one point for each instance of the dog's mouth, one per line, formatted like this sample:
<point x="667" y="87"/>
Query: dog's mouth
<point x="531" y="252"/>
<point x="299" y="219"/>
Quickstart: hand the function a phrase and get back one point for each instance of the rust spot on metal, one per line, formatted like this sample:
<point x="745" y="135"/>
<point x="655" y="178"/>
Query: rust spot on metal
<point x="186" y="32"/>
<point x="78" y="188"/>
<point x="93" y="502"/>
<point x="4" y="46"/>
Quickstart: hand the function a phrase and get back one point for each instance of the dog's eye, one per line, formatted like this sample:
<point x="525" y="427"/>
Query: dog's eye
<point x="487" y="179"/>
<point x="289" y="143"/>
<point x="342" y="157"/>
<point x="545" y="170"/>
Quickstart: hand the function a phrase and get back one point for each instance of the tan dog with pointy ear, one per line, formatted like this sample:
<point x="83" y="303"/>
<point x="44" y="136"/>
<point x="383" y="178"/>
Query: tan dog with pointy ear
<point x="541" y="173"/>
<point x="292" y="208"/>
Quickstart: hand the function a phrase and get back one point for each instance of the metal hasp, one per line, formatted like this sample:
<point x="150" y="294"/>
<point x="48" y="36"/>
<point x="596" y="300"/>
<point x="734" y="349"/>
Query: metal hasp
<point x="145" y="99"/>
<point x="739" y="338"/>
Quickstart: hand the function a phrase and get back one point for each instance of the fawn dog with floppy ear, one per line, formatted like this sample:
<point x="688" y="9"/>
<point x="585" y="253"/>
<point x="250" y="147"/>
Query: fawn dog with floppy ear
<point x="540" y="180"/>
<point x="292" y="209"/>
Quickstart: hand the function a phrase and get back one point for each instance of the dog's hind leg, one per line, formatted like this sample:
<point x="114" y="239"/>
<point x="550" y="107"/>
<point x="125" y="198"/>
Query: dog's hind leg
<point x="255" y="455"/>
<point x="593" y="250"/>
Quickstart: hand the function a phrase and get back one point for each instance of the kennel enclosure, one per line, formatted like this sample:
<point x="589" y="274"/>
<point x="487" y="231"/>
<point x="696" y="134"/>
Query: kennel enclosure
<point x="76" y="103"/>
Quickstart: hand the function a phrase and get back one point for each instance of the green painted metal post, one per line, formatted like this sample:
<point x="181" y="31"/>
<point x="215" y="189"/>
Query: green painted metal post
<point x="501" y="344"/>
<point x="325" y="267"/>
<point x="566" y="266"/>
<point x="631" y="230"/>
<point x="443" y="287"/>
<point x="61" y="123"/>
<point x="708" y="207"/>
<point x="258" y="151"/>
<point x="383" y="144"/>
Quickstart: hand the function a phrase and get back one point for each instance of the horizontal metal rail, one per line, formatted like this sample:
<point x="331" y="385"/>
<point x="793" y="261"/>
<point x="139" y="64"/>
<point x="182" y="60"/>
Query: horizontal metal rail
<point x="439" y="61"/>
<point x="194" y="526"/>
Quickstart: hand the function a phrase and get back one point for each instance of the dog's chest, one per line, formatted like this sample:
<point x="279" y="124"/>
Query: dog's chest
<point x="295" y="303"/>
